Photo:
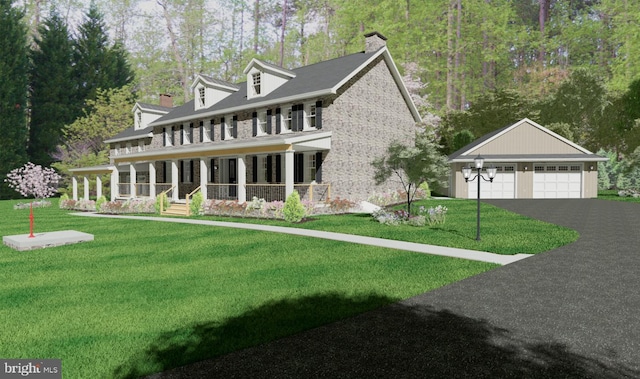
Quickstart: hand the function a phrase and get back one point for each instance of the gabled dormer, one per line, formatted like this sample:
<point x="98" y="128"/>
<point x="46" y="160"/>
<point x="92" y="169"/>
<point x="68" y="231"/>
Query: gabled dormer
<point x="208" y="91"/>
<point x="263" y="78"/>
<point x="144" y="114"/>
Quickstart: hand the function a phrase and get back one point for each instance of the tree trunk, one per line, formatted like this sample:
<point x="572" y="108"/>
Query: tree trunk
<point x="256" y="26"/>
<point x="543" y="16"/>
<point x="282" y="31"/>
<point x="176" y="52"/>
<point x="450" y="56"/>
<point x="459" y="69"/>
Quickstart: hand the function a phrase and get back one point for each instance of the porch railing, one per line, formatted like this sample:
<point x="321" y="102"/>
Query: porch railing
<point x="219" y="191"/>
<point x="276" y="192"/>
<point x="141" y="189"/>
<point x="189" y="197"/>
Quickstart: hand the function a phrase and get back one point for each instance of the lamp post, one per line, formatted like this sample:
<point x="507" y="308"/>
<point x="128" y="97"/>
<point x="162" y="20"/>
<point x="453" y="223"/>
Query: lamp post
<point x="466" y="172"/>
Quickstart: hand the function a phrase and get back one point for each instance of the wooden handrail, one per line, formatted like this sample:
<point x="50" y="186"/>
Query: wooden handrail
<point x="162" y="195"/>
<point x="187" y="199"/>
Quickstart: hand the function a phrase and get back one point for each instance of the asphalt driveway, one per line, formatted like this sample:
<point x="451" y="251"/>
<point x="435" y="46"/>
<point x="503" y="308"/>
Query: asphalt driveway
<point x="573" y="312"/>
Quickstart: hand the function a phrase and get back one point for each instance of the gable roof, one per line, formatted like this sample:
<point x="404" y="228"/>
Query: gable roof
<point x="568" y="150"/>
<point x="217" y="83"/>
<point x="319" y="79"/>
<point x="269" y="67"/>
<point x="131" y="134"/>
<point x="152" y="107"/>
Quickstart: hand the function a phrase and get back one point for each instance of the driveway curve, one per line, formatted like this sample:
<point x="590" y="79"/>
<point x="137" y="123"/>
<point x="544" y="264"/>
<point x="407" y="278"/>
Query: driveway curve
<point x="573" y="312"/>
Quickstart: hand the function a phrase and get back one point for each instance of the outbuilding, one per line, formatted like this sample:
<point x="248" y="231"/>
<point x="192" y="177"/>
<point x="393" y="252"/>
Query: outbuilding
<point x="532" y="162"/>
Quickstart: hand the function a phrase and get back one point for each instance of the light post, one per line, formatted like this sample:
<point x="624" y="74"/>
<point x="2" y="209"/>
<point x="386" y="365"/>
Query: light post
<point x="466" y="172"/>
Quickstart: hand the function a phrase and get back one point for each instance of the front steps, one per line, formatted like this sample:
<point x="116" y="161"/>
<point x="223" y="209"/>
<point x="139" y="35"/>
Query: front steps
<point x="176" y="209"/>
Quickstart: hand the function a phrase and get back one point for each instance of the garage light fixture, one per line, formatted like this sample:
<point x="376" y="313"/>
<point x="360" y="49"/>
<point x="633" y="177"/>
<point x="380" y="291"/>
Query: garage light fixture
<point x="491" y="173"/>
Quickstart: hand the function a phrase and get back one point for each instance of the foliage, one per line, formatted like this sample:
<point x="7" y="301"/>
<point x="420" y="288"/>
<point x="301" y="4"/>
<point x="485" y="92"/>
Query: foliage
<point x="339" y="205"/>
<point x="52" y="90"/>
<point x="99" y="202"/>
<point x="293" y="210"/>
<point x="135" y="205"/>
<point x="431" y="216"/>
<point x="195" y="205"/>
<point x="33" y="180"/>
<point x="165" y="202"/>
<point x="13" y="92"/>
<point x="462" y="139"/>
<point x="412" y="165"/>
<point x="33" y="204"/>
<point x="424" y="192"/>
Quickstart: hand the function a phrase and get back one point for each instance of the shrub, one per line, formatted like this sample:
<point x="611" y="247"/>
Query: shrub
<point x="424" y="190"/>
<point x="129" y="206"/>
<point x="101" y="200"/>
<point x="431" y="216"/>
<point x="33" y="204"/>
<point x="165" y="202"/>
<point x="339" y="205"/>
<point x="293" y="209"/>
<point x="434" y="216"/>
<point x="196" y="203"/>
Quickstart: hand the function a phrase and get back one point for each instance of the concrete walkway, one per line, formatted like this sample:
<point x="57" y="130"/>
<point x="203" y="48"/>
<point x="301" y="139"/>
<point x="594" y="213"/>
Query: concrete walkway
<point x="372" y="241"/>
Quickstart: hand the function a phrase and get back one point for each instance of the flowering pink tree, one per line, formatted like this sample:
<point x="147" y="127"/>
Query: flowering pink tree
<point x="33" y="180"/>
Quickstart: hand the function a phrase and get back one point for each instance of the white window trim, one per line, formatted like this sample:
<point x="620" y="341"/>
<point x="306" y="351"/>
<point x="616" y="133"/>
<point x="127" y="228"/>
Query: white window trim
<point x="202" y="97"/>
<point x="187" y="134"/>
<point x="286" y="114"/>
<point x="257" y="75"/>
<point x="206" y="131"/>
<point x="311" y="166"/>
<point x="140" y="146"/>
<point x="116" y="149"/>
<point x="228" y="121"/>
<point x="307" y="117"/>
<point x="262" y="123"/>
<point x="128" y="148"/>
<point x="168" y="137"/>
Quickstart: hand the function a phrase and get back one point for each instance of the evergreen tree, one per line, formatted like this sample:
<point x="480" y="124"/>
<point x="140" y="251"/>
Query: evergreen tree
<point x="13" y="92"/>
<point x="96" y="65"/>
<point x="51" y="85"/>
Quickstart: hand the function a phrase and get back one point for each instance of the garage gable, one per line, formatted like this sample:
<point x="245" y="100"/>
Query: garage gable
<point x="525" y="137"/>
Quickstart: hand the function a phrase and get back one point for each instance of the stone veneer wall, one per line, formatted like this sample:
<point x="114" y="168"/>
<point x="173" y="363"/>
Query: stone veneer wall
<point x="366" y="115"/>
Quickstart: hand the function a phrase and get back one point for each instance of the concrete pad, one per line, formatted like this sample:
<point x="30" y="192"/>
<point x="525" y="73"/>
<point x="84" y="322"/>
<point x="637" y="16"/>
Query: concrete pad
<point x="22" y="242"/>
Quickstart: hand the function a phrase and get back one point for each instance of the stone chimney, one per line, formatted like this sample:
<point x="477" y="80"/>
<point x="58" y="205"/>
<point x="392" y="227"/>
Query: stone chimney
<point x="166" y="100"/>
<point x="374" y="41"/>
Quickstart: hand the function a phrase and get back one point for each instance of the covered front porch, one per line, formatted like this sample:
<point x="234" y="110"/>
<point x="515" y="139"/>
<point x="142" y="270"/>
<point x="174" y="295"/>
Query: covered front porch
<point x="232" y="171"/>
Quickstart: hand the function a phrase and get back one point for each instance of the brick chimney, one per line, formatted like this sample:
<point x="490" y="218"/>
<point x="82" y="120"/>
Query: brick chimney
<point x="166" y="100"/>
<point x="374" y="41"/>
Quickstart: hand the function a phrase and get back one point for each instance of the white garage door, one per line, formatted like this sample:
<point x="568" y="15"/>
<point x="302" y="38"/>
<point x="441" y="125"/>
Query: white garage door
<point x="502" y="187"/>
<point x="557" y="181"/>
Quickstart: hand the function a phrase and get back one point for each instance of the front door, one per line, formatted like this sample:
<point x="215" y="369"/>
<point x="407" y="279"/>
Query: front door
<point x="233" y="179"/>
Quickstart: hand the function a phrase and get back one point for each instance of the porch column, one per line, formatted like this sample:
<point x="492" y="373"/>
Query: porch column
<point x="174" y="180"/>
<point x="74" y="181"/>
<point x="115" y="185"/>
<point x="204" y="171"/>
<point x="85" y="182"/>
<point x="98" y="186"/>
<point x="152" y="179"/>
<point x="242" y="179"/>
<point x="288" y="173"/>
<point x="132" y="175"/>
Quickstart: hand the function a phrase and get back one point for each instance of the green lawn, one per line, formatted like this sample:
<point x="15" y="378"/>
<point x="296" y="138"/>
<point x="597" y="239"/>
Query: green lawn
<point x="613" y="195"/>
<point x="502" y="232"/>
<point x="147" y="296"/>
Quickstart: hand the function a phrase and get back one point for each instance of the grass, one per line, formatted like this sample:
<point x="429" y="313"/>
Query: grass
<point x="147" y="296"/>
<point x="613" y="195"/>
<point x="502" y="232"/>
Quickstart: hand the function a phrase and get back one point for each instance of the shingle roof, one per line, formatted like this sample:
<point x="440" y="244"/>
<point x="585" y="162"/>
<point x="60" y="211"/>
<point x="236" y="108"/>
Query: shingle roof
<point x="218" y="81"/>
<point x="130" y="133"/>
<point x="321" y="76"/>
<point x="154" y="107"/>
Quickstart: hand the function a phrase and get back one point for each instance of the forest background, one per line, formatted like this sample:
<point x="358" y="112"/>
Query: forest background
<point x="72" y="69"/>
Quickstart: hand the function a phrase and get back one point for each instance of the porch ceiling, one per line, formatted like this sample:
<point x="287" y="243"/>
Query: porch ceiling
<point x="93" y="170"/>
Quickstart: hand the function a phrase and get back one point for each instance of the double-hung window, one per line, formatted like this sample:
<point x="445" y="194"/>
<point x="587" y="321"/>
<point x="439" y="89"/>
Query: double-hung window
<point x="286" y="119"/>
<point x="310" y="116"/>
<point x="168" y="136"/>
<point x="201" y="96"/>
<point x="257" y="83"/>
<point x="311" y="166"/>
<point x="262" y="123"/>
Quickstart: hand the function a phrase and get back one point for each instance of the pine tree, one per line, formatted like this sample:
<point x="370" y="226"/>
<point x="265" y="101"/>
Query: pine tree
<point x="51" y="85"/>
<point x="13" y="92"/>
<point x="96" y="64"/>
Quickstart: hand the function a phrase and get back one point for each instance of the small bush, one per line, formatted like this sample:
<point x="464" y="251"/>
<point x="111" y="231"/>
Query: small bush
<point x="196" y="203"/>
<point x="339" y="205"/>
<point x="101" y="200"/>
<point x="425" y="190"/>
<point x="129" y="206"/>
<point x="293" y="209"/>
<point x="165" y="202"/>
<point x="33" y="204"/>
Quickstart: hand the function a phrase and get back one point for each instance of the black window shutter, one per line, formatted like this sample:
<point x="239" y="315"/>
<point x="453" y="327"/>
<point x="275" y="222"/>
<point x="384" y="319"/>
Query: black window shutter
<point x="181" y="171"/>
<point x="173" y="135"/>
<point x="300" y="117"/>
<point x="164" y="172"/>
<point x="255" y="123"/>
<point x="164" y="136"/>
<point x="298" y="163"/>
<point x="181" y="135"/>
<point x="319" y="167"/>
<point x="234" y="131"/>
<point x="191" y="178"/>
<point x="319" y="114"/>
<point x="294" y="118"/>
<point x="201" y="128"/>
<point x="222" y="134"/>
<point x="278" y="168"/>
<point x="190" y="139"/>
<point x="269" y="168"/>
<point x="211" y="130"/>
<point x="268" y="121"/>
<point x="255" y="169"/>
<point x="278" y="121"/>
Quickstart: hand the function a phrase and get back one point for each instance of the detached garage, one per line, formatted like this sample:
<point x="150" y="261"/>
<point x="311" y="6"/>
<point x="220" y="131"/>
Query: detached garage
<point x="531" y="162"/>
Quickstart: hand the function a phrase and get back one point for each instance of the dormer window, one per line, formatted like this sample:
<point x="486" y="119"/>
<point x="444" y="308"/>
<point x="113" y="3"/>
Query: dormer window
<point x="201" y="96"/>
<point x="139" y="119"/>
<point x="257" y="79"/>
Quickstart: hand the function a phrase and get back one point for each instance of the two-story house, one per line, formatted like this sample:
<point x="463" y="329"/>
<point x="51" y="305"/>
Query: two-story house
<point x="315" y="129"/>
